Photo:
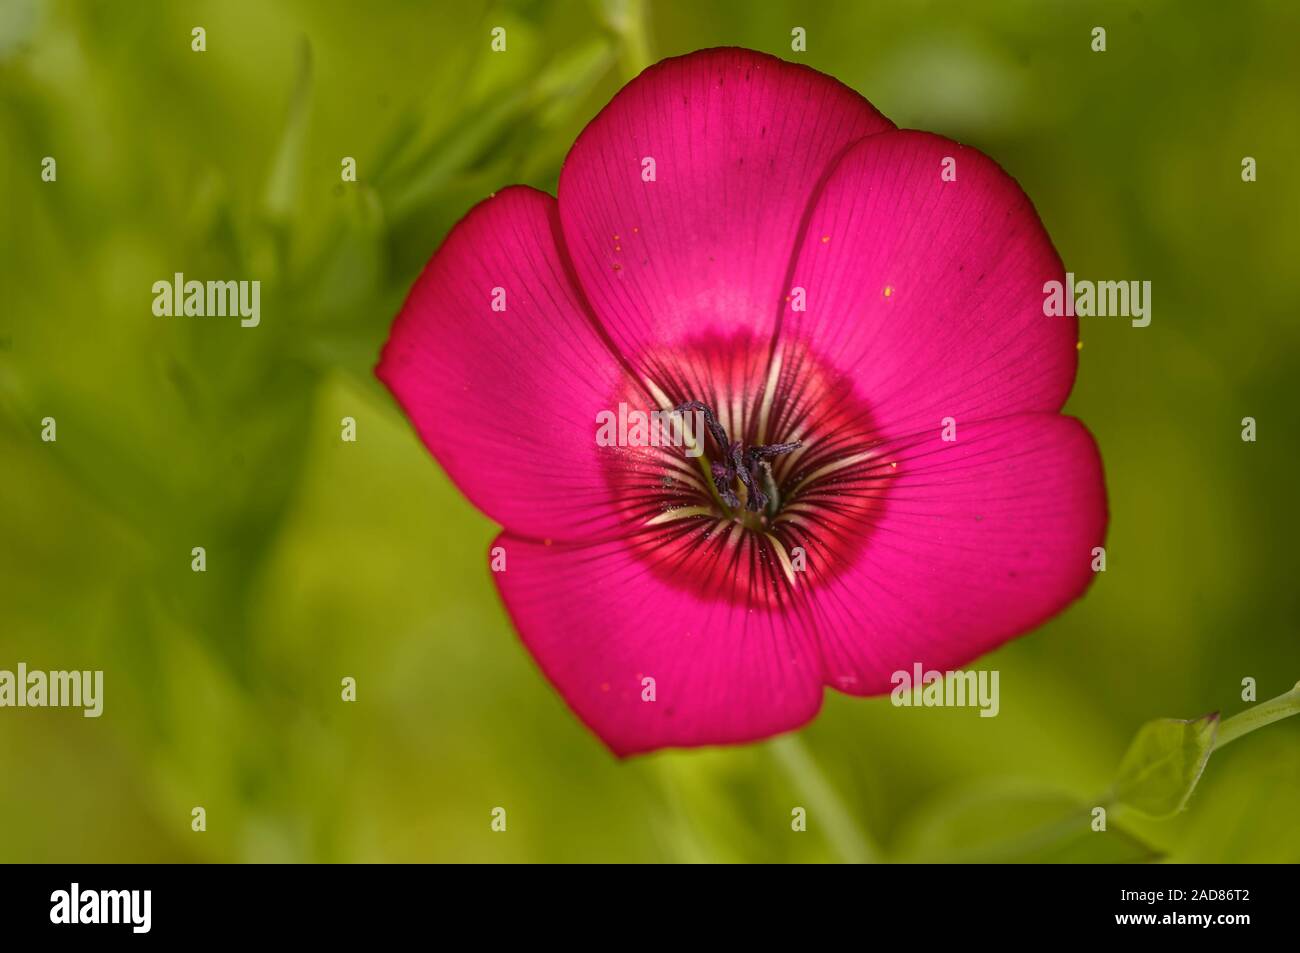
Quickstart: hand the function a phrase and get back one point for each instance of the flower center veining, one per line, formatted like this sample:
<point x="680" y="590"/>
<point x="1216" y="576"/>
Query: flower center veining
<point x="783" y="494"/>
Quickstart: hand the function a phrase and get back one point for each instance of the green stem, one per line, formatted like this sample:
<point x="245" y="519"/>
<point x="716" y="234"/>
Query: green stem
<point x="628" y="18"/>
<point x="1265" y="713"/>
<point x="842" y="831"/>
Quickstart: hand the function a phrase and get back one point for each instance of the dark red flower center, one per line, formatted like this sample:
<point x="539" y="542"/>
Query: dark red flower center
<point x="783" y="494"/>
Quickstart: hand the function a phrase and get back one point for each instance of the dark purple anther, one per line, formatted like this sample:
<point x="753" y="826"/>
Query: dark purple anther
<point x="738" y="462"/>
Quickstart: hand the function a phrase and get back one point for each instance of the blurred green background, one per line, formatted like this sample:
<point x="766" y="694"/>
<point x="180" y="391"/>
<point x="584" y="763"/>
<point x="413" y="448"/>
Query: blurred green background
<point x="329" y="559"/>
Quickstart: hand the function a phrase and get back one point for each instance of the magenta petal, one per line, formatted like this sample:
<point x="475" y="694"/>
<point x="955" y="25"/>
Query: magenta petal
<point x="929" y="293"/>
<point x="739" y="141"/>
<point x="978" y="540"/>
<point x="507" y="400"/>
<point x="599" y="623"/>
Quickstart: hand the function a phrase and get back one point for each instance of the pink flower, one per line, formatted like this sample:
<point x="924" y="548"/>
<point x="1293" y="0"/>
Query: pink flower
<point x="869" y="297"/>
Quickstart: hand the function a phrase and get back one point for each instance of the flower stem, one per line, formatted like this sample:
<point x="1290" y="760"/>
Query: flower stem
<point x="1265" y="713"/>
<point x="628" y="19"/>
<point x="842" y="831"/>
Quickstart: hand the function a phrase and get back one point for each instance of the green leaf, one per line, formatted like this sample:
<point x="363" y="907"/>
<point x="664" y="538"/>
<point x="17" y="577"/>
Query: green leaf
<point x="1007" y="821"/>
<point x="412" y="178"/>
<point x="286" y="169"/>
<point x="1163" y="764"/>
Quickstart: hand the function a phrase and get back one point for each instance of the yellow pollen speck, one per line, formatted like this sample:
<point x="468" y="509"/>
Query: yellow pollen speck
<point x="1078" y="346"/>
<point x="825" y="239"/>
<point x="894" y="466"/>
<point x="889" y="290"/>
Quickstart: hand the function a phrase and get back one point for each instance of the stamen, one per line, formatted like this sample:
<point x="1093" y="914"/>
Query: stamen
<point x="750" y="465"/>
<point x="770" y="488"/>
<point x="710" y="421"/>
